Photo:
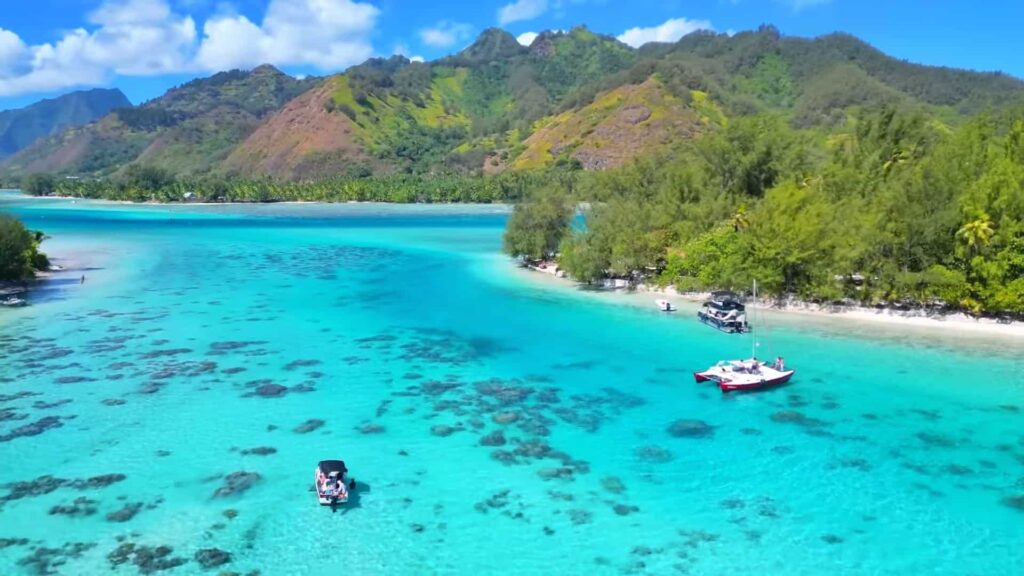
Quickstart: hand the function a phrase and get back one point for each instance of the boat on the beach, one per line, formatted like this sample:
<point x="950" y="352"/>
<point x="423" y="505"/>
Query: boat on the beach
<point x="331" y="482"/>
<point x="751" y="374"/>
<point x="665" y="306"/>
<point x="13" y="301"/>
<point x="726" y="312"/>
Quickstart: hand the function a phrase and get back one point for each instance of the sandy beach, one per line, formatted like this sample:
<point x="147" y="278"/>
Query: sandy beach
<point x="907" y="323"/>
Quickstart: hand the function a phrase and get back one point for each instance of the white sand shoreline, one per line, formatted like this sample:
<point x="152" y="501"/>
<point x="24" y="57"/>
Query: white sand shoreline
<point x="913" y="320"/>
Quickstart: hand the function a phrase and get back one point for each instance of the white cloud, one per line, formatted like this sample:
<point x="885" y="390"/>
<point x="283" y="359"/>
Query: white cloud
<point x="149" y="37"/>
<point x="526" y="38"/>
<point x="12" y="51"/>
<point x="130" y="37"/>
<point x="417" y="59"/>
<point x="669" y="31"/>
<point x="445" y="33"/>
<point x="327" y="34"/>
<point x="521" y="10"/>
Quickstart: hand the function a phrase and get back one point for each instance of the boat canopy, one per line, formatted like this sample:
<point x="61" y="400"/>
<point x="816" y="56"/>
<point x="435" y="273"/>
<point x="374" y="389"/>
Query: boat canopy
<point x="725" y="300"/>
<point x="332" y="466"/>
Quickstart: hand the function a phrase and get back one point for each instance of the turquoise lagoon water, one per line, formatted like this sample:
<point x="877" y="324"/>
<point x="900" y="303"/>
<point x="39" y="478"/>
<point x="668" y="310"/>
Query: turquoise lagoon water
<point x="494" y="425"/>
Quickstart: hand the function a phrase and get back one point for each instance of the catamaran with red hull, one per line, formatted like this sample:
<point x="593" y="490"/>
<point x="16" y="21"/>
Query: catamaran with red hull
<point x="745" y="375"/>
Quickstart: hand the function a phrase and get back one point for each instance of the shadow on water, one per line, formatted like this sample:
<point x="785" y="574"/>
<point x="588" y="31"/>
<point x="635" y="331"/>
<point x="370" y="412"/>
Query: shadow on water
<point x="354" y="499"/>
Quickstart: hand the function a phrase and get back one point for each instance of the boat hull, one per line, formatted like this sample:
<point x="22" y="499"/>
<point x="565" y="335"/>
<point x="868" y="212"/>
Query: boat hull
<point x="730" y="327"/>
<point x="730" y="386"/>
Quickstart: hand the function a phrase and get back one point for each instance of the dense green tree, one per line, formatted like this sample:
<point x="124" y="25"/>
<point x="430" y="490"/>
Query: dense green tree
<point x="19" y="250"/>
<point x="38" y="184"/>
<point x="536" y="227"/>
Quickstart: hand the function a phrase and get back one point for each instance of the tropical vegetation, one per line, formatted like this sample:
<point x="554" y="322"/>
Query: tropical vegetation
<point x="20" y="257"/>
<point x="890" y="207"/>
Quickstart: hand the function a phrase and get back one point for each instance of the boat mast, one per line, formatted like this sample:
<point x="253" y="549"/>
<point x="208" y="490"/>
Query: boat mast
<point x="753" y="327"/>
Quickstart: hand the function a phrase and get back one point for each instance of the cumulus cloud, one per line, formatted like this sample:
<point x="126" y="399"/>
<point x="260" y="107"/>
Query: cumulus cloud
<point x="526" y="38"/>
<point x="12" y="51"/>
<point x="669" y="31"/>
<point x="417" y="59"/>
<point x="130" y="37"/>
<point x="149" y="37"/>
<point x="445" y="34"/>
<point x="327" y="34"/>
<point x="521" y="10"/>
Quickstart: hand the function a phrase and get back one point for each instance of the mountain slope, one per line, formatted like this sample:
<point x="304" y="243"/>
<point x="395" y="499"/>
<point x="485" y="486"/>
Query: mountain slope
<point x="190" y="129"/>
<point x="20" y="128"/>
<point x="618" y="126"/>
<point x="303" y="140"/>
<point x="570" y="97"/>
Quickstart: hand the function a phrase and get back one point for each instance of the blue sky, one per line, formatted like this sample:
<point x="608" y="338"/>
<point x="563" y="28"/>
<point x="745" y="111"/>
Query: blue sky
<point x="49" y="47"/>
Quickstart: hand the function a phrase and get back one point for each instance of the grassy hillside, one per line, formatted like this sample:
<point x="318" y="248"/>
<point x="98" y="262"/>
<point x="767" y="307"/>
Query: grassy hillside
<point x="190" y="129"/>
<point x="575" y="99"/>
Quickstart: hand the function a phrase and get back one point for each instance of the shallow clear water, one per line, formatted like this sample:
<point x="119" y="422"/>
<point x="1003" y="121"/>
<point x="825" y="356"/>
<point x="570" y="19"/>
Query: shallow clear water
<point x="410" y="337"/>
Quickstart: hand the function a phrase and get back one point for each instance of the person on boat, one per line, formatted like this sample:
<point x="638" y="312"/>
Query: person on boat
<point x="780" y="364"/>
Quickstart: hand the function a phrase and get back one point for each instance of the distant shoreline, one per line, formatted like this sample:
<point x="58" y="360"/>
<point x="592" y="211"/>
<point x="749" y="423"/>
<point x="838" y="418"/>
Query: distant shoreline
<point x="949" y="324"/>
<point x="16" y="192"/>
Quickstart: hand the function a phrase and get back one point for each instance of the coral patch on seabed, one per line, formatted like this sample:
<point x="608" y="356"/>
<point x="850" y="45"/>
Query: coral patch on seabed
<point x="308" y="426"/>
<point x="237" y="483"/>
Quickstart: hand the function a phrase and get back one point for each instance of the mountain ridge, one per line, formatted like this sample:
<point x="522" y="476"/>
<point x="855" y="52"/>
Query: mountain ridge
<point x="498" y="105"/>
<point x="20" y="127"/>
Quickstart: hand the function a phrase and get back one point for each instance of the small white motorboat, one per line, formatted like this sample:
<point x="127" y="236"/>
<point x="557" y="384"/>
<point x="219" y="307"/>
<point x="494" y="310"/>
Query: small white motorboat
<point x="665" y="306"/>
<point x="332" y="483"/>
<point x="13" y="302"/>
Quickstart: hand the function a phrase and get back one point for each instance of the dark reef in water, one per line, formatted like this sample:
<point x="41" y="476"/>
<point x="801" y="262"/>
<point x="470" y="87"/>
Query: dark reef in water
<point x="307" y="426"/>
<point x="1015" y="502"/>
<point x="690" y="429"/>
<point x="212" y="557"/>
<point x="45" y="561"/>
<point x="34" y="429"/>
<point x="80" y="507"/>
<point x="125" y="513"/>
<point x="147" y="559"/>
<point x="237" y="483"/>
<point x="653" y="454"/>
<point x="798" y="418"/>
<point x="259" y="451"/>
<point x="47" y="484"/>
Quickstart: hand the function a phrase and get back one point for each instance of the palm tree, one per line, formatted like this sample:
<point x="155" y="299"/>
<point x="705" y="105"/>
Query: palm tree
<point x="976" y="234"/>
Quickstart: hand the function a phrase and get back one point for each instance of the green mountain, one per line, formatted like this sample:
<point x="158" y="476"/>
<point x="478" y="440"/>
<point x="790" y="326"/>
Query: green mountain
<point x="570" y="99"/>
<point x="582" y="98"/>
<point x="20" y="128"/>
<point x="190" y="129"/>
